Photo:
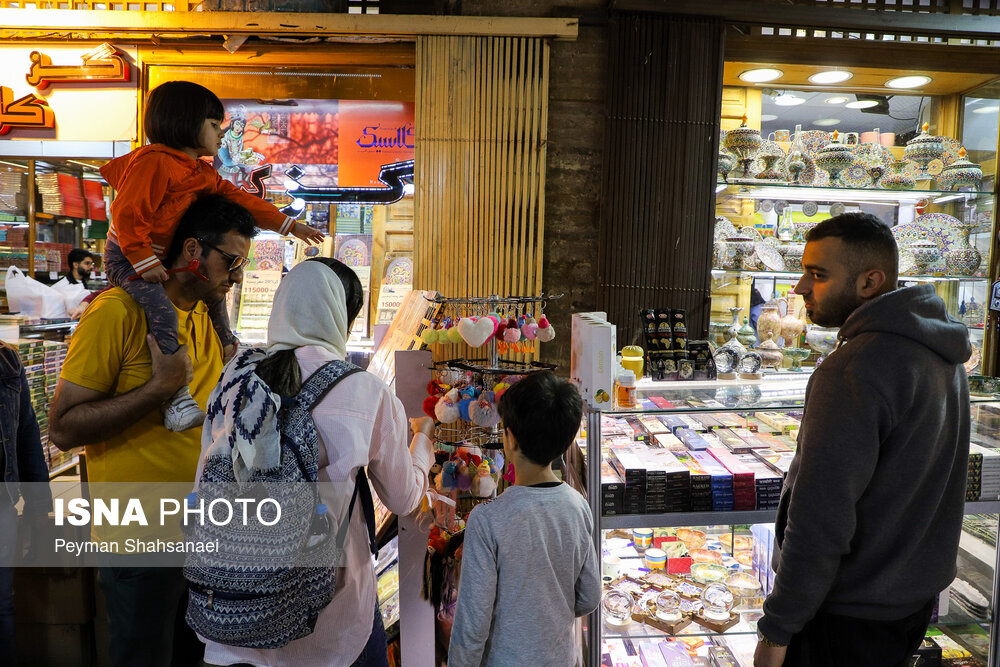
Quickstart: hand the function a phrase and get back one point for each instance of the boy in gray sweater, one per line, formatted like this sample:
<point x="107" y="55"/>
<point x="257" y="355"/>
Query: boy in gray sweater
<point x="529" y="563"/>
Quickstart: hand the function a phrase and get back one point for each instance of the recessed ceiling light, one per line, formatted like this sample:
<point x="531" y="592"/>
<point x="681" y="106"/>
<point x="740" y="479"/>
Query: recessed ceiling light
<point x="836" y="99"/>
<point x="761" y="75"/>
<point x="993" y="108"/>
<point x="908" y="81"/>
<point x="826" y="122"/>
<point x="787" y="100"/>
<point x="768" y="116"/>
<point x="831" y="76"/>
<point x="862" y="104"/>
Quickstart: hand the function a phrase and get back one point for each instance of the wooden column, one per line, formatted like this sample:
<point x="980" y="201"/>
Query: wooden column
<point x="664" y="102"/>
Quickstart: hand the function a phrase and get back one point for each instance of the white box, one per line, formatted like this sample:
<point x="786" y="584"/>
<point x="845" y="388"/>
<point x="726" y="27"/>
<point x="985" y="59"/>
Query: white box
<point x="593" y="358"/>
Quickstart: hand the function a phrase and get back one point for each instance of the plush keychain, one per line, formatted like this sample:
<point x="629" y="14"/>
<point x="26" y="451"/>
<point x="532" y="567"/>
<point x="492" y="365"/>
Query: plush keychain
<point x="453" y="334"/>
<point x="463" y="408"/>
<point x="484" y="412"/>
<point x="484" y="485"/>
<point x="511" y="333"/>
<point x="545" y="332"/>
<point x="429" y="336"/>
<point x="463" y="476"/>
<point x="446" y="409"/>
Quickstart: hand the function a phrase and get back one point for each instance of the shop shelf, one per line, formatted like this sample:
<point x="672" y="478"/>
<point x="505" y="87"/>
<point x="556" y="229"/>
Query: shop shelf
<point x="65" y="467"/>
<point x="792" y="275"/>
<point x="767" y="190"/>
<point x="681" y="519"/>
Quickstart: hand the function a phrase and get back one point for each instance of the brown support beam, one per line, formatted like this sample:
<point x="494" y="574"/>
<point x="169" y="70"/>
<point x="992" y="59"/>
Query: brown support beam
<point x="758" y="12"/>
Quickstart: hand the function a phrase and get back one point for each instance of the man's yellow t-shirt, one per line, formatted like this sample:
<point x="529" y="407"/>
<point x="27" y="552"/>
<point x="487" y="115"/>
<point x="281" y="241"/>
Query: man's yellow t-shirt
<point x="108" y="353"/>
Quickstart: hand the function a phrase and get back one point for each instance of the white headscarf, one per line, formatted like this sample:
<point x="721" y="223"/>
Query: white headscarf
<point x="310" y="308"/>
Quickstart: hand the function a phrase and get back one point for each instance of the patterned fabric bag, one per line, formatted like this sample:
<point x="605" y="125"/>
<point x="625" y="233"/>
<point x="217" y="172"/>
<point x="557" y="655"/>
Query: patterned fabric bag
<point x="266" y="584"/>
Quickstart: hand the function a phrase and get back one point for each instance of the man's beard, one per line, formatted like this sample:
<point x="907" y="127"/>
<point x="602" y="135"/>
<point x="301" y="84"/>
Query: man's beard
<point x="837" y="308"/>
<point x="84" y="275"/>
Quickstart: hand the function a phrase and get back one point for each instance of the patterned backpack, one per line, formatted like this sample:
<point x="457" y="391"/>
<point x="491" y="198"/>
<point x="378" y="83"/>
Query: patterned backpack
<point x="266" y="585"/>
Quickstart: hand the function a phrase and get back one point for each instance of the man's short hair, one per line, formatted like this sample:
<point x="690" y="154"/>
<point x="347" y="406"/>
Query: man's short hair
<point x="543" y="413"/>
<point x="209" y="220"/>
<point x="176" y="112"/>
<point x="870" y="242"/>
<point x="77" y="255"/>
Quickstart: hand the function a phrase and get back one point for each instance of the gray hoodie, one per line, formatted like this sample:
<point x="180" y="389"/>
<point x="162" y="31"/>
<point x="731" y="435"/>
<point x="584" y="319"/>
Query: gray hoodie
<point x="871" y="511"/>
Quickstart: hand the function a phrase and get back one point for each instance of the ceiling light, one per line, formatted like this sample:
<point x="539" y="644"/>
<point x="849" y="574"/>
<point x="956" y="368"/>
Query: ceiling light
<point x="826" y="122"/>
<point x="993" y="108"/>
<point x="768" y="116"/>
<point x="862" y="104"/>
<point x="761" y="75"/>
<point x="837" y="99"/>
<point x="787" y="100"/>
<point x="908" y="81"/>
<point x="831" y="76"/>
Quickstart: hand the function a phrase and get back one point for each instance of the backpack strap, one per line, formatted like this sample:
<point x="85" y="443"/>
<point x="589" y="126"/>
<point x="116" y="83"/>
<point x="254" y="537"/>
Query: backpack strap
<point x="313" y="390"/>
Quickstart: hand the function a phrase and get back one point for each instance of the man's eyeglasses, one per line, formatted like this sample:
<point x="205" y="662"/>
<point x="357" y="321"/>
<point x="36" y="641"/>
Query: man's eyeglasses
<point x="236" y="262"/>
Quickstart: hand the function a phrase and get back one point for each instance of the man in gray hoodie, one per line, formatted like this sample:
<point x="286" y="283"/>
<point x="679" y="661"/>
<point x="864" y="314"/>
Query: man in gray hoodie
<point x="871" y="511"/>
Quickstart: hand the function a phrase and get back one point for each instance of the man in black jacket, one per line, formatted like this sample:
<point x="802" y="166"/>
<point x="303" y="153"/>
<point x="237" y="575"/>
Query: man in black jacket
<point x="24" y="473"/>
<point x="871" y="511"/>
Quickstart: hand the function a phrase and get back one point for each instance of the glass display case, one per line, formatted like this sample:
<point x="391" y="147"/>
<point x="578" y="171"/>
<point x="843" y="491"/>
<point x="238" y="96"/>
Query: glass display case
<point x="686" y="498"/>
<point x="928" y="173"/>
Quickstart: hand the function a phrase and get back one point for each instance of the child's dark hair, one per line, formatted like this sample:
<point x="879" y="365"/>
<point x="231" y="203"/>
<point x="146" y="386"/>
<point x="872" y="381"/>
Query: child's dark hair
<point x="543" y="413"/>
<point x="176" y="111"/>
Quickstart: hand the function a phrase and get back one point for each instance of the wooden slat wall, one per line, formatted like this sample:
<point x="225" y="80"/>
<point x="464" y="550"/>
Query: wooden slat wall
<point x="664" y="101"/>
<point x="481" y="127"/>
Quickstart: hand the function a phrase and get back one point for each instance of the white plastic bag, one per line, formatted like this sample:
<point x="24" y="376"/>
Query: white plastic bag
<point x="73" y="293"/>
<point x="29" y="297"/>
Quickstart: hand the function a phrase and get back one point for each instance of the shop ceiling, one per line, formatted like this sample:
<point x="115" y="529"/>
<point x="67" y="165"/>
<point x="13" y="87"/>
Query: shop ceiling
<point x="35" y="24"/>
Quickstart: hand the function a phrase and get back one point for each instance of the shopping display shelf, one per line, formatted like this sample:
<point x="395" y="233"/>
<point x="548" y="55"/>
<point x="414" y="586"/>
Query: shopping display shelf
<point x="681" y="519"/>
<point x="759" y="189"/>
<point x="65" y="467"/>
<point x="795" y="275"/>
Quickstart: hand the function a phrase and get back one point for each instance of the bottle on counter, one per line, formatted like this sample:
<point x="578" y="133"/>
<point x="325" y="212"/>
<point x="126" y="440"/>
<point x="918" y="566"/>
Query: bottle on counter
<point x="625" y="390"/>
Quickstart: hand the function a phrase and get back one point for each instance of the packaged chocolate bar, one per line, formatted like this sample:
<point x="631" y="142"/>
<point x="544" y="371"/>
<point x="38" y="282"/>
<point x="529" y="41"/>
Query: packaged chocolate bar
<point x="678" y="320"/>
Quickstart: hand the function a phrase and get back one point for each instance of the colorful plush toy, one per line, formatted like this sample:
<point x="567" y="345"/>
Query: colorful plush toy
<point x="429" y="336"/>
<point x="484" y="486"/>
<point x="463" y="408"/>
<point x="484" y="413"/>
<point x="429" y="404"/>
<point x="446" y="410"/>
<point x="529" y="329"/>
<point x="545" y="332"/>
<point x="511" y="333"/>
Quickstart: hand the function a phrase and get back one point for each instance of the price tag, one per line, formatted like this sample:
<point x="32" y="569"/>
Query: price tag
<point x="53" y="275"/>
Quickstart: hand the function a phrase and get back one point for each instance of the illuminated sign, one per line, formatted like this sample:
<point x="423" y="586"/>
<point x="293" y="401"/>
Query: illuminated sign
<point x="392" y="175"/>
<point x="105" y="63"/>
<point x="28" y="111"/>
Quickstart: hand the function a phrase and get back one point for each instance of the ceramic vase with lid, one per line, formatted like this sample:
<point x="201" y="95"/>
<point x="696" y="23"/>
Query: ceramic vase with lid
<point x="960" y="173"/>
<point x="792" y="328"/>
<point x="792" y="254"/>
<point x="768" y="322"/>
<point x="770" y="353"/>
<point x="963" y="259"/>
<point x="746" y="334"/>
<point x="834" y="158"/>
<point x="923" y="148"/>
<point x="744" y="142"/>
<point x="897" y="178"/>
<point x="925" y="252"/>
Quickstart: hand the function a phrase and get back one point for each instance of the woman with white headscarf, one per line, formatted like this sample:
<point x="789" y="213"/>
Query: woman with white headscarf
<point x="360" y="423"/>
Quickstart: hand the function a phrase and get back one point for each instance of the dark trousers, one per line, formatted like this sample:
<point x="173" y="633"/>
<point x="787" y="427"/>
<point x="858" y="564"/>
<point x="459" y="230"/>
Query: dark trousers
<point x="155" y="303"/>
<point x="830" y="640"/>
<point x="146" y="607"/>
<point x="8" y="544"/>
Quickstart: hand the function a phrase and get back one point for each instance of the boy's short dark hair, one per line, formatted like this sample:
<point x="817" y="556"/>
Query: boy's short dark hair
<point x="176" y="111"/>
<point x="870" y="241"/>
<point x="209" y="219"/>
<point x="543" y="413"/>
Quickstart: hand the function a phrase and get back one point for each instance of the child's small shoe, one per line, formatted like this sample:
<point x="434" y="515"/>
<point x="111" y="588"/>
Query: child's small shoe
<point x="182" y="413"/>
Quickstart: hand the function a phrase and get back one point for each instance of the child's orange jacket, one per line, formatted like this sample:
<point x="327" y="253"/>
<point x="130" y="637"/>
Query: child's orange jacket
<point x="155" y="185"/>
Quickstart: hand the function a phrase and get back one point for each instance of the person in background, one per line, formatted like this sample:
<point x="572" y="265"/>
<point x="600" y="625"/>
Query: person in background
<point x="870" y="514"/>
<point x="114" y="381"/>
<point x="81" y="266"/>
<point x="358" y="423"/>
<point x="24" y="474"/>
<point x="529" y="563"/>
